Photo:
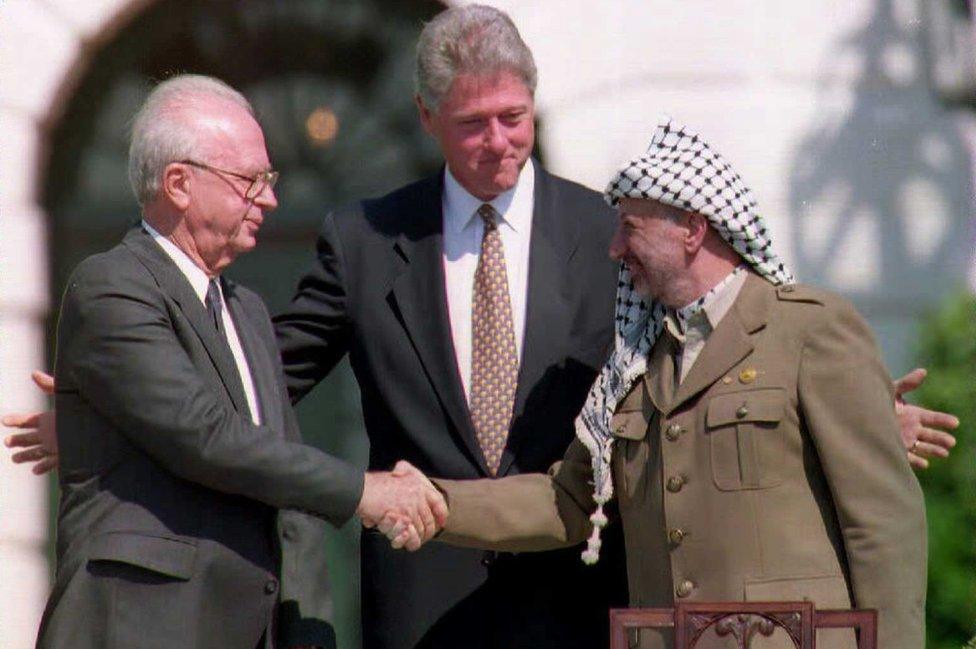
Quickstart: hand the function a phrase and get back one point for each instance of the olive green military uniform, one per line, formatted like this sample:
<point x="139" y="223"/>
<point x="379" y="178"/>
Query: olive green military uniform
<point x="775" y="472"/>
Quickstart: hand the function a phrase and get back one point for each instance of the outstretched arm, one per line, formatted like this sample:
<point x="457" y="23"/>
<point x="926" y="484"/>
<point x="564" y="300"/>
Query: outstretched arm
<point x="530" y="512"/>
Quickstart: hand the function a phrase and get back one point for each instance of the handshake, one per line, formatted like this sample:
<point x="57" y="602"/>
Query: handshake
<point x="404" y="505"/>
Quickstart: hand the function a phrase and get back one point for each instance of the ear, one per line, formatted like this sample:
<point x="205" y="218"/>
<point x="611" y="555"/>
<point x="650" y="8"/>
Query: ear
<point x="425" y="114"/>
<point x="176" y="185"/>
<point x="697" y="229"/>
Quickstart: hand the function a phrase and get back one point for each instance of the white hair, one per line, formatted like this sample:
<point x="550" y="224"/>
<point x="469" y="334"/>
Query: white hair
<point x="472" y="39"/>
<point x="161" y="132"/>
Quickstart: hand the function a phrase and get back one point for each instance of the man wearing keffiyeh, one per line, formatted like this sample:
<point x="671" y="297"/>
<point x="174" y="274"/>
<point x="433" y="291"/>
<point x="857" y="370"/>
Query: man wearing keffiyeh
<point x="743" y="423"/>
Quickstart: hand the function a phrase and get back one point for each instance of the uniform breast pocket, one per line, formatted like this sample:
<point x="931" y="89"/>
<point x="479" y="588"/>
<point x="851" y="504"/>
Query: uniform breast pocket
<point x="746" y="444"/>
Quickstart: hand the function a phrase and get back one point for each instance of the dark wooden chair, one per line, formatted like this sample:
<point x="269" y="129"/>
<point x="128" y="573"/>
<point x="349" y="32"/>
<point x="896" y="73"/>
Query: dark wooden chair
<point x="742" y="621"/>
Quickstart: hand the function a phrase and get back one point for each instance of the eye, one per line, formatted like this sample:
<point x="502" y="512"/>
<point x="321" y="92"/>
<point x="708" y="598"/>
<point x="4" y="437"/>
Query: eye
<point x="513" y="117"/>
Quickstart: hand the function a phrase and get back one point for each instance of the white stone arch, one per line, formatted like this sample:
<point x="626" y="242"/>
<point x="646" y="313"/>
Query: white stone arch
<point x="46" y="47"/>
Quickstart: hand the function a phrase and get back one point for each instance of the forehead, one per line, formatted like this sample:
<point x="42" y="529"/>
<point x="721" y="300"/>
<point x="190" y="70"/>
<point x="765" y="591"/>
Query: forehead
<point x="487" y="92"/>
<point x="231" y="136"/>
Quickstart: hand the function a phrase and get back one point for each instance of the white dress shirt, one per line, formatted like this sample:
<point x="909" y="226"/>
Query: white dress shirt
<point x="199" y="281"/>
<point x="463" y="231"/>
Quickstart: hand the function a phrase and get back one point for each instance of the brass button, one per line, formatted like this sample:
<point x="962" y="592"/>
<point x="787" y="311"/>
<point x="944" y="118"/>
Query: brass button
<point x="742" y="411"/>
<point x="684" y="588"/>
<point x="673" y="432"/>
<point x="676" y="536"/>
<point x="675" y="483"/>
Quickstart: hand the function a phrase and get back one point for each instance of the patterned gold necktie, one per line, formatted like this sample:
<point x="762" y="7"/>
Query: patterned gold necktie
<point x="494" y="363"/>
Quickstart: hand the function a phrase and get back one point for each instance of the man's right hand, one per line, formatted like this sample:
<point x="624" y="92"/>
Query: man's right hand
<point x="405" y="500"/>
<point x="39" y="440"/>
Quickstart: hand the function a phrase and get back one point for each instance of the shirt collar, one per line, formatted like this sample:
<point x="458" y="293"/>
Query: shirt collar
<point x="197" y="278"/>
<point x="514" y="206"/>
<point x="708" y="310"/>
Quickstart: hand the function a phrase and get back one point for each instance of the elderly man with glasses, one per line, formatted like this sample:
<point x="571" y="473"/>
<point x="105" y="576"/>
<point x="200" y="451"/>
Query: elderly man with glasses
<point x="179" y="452"/>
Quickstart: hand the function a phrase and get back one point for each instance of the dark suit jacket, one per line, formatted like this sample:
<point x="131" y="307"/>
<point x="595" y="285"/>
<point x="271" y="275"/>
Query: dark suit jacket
<point x="169" y="494"/>
<point x="377" y="292"/>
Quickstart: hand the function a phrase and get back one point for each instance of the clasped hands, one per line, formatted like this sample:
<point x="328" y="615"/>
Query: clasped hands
<point x="404" y="505"/>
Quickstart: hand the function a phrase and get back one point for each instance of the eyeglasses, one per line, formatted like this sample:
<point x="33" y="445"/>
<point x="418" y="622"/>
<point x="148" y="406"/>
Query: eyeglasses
<point x="258" y="181"/>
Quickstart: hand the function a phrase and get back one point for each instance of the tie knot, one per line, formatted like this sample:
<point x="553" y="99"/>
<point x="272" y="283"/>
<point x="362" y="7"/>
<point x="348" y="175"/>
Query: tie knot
<point x="488" y="215"/>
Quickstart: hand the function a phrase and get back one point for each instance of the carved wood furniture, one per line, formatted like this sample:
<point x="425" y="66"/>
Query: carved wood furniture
<point x="743" y="621"/>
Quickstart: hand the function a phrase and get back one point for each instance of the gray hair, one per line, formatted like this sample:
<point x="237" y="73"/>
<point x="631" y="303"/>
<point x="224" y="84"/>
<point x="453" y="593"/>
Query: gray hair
<point x="162" y="132"/>
<point x="473" y="39"/>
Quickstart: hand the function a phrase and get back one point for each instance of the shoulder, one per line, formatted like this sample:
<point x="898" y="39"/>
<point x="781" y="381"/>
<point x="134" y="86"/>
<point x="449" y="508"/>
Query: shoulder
<point x="820" y="312"/>
<point x="389" y="215"/>
<point x="595" y="220"/>
<point x="816" y="300"/>
<point x="573" y="195"/>
<point x="115" y="269"/>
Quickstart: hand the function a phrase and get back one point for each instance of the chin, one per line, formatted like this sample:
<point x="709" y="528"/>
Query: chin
<point x="246" y="245"/>
<point x="504" y="181"/>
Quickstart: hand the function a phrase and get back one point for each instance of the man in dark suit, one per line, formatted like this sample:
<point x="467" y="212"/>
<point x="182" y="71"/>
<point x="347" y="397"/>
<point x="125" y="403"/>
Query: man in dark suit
<point x="178" y="445"/>
<point x="460" y="381"/>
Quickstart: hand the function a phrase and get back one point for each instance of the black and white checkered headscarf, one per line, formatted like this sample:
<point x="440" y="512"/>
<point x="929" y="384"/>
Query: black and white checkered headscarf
<point x="680" y="170"/>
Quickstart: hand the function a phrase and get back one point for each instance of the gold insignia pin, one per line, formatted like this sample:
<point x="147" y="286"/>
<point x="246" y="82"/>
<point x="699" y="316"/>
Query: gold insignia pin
<point x="748" y="375"/>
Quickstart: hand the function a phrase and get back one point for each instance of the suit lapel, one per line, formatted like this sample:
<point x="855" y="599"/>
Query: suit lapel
<point x="256" y="352"/>
<point x="551" y="245"/>
<point x="730" y="342"/>
<point x="174" y="283"/>
<point x="418" y="297"/>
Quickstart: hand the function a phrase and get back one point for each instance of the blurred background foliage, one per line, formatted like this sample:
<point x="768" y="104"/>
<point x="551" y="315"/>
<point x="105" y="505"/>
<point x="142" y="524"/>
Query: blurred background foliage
<point x="947" y="347"/>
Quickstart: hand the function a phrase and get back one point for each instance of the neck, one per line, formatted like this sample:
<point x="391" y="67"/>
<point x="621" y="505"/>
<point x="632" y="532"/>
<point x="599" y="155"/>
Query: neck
<point x="698" y="281"/>
<point x="174" y="229"/>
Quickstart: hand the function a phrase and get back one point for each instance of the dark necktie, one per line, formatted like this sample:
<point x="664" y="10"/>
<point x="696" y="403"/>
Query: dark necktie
<point x="494" y="362"/>
<point x="215" y="305"/>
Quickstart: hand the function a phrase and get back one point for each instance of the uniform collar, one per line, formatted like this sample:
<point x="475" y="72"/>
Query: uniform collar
<point x="707" y="311"/>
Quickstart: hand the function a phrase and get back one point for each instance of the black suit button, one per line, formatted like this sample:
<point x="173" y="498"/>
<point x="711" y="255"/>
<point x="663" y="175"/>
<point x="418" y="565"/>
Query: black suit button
<point x="488" y="558"/>
<point x="271" y="587"/>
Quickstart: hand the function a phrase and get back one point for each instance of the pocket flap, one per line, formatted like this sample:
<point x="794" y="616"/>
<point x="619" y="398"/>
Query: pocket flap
<point x="767" y="405"/>
<point x="629" y="425"/>
<point x="634" y="400"/>
<point x="828" y="591"/>
<point x="168" y="556"/>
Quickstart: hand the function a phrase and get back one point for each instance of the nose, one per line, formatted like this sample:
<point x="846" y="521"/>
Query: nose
<point x="495" y="139"/>
<point x="267" y="199"/>
<point x="618" y="247"/>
